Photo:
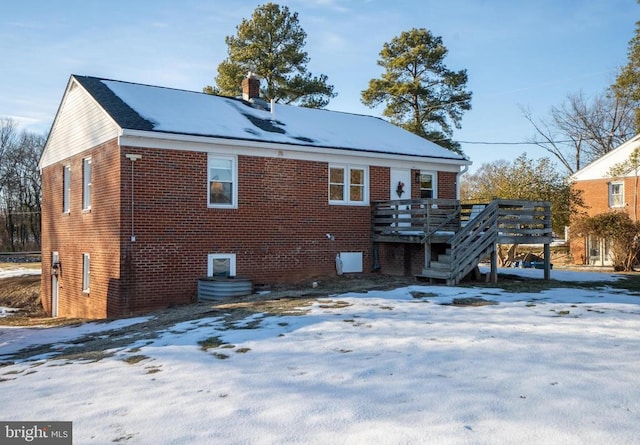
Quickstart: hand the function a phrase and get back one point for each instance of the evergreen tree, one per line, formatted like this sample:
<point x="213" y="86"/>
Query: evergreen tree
<point x="627" y="83"/>
<point x="421" y="94"/>
<point x="270" y="45"/>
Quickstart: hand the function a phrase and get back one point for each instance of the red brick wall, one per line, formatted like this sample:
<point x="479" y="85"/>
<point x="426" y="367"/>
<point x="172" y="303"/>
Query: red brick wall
<point x="446" y="185"/>
<point x="595" y="194"/>
<point x="96" y="232"/>
<point x="277" y="232"/>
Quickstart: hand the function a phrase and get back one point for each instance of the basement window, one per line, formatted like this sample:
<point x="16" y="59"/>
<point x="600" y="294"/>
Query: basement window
<point x="221" y="265"/>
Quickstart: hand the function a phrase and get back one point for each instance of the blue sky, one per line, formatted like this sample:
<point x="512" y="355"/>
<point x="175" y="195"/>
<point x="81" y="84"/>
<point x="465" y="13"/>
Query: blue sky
<point x="517" y="54"/>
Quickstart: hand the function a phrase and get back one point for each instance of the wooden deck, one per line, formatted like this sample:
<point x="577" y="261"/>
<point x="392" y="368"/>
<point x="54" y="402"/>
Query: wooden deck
<point x="470" y="232"/>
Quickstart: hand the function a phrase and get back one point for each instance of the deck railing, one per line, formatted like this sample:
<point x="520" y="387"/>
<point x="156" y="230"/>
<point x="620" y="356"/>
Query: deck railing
<point x="410" y="220"/>
<point x="470" y="232"/>
<point x="419" y="220"/>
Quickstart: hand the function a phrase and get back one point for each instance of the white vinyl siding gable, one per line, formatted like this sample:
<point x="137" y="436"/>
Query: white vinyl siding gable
<point x="80" y="123"/>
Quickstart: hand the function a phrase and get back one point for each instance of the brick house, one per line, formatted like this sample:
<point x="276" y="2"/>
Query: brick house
<point x="602" y="193"/>
<point x="146" y="189"/>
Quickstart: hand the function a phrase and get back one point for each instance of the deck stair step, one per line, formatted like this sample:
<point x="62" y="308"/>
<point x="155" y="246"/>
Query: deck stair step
<point x="437" y="265"/>
<point x="444" y="258"/>
<point x="434" y="273"/>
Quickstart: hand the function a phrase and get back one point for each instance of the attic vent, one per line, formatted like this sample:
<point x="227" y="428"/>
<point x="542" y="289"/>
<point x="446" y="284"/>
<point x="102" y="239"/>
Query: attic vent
<point x="265" y="124"/>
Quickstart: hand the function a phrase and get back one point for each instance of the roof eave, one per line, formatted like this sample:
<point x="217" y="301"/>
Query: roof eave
<point x="135" y="138"/>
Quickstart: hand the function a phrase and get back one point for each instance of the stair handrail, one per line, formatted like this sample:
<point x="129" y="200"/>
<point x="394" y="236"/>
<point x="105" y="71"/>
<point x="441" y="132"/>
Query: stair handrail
<point x="429" y="233"/>
<point x="463" y="244"/>
<point x="473" y="223"/>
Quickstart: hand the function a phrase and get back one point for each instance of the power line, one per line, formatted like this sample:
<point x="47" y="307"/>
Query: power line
<point x="567" y="141"/>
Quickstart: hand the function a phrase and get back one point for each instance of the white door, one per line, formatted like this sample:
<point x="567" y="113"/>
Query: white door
<point x="400" y="188"/>
<point x="55" y="287"/>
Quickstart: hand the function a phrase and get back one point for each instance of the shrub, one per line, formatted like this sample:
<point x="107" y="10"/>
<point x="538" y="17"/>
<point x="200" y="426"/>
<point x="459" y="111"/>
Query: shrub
<point x="622" y="232"/>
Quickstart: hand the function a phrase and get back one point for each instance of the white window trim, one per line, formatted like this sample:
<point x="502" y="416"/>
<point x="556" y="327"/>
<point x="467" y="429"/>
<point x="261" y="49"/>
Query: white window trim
<point x="87" y="186"/>
<point x="611" y="204"/>
<point x="86" y="273"/>
<point x="347" y="185"/>
<point x="66" y="186"/>
<point x="221" y="256"/>
<point x="434" y="182"/>
<point x="234" y="184"/>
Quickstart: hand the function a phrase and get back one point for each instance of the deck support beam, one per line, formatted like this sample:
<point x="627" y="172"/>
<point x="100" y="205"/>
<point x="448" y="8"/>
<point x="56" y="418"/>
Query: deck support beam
<point x="493" y="274"/>
<point x="547" y="261"/>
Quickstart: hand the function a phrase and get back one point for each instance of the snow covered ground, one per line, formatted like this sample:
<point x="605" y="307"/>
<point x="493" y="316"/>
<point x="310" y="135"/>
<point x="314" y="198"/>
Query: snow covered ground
<point x="18" y="272"/>
<point x="386" y="367"/>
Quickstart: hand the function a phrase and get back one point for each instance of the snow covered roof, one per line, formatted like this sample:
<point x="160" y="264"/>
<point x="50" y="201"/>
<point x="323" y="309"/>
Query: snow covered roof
<point x="156" y="109"/>
<point x="599" y="168"/>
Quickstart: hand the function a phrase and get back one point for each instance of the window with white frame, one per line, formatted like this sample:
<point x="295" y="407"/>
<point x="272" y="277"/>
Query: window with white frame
<point x="86" y="184"/>
<point x="222" y="174"/>
<point x="427" y="182"/>
<point x="348" y="185"/>
<point x="221" y="265"/>
<point x="86" y="273"/>
<point x="66" y="188"/>
<point x="616" y="194"/>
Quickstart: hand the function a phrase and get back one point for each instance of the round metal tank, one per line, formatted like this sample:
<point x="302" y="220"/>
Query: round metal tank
<point x="220" y="288"/>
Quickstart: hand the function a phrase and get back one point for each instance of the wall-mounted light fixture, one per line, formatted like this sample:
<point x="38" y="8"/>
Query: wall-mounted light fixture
<point x="417" y="177"/>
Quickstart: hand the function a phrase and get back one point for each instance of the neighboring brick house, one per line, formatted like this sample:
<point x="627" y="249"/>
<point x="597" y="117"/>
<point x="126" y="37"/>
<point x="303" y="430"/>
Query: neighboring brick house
<point x="146" y="189"/>
<point x="602" y="193"/>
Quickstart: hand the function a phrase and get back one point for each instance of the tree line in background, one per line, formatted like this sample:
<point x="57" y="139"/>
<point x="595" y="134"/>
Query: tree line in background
<point x="20" y="188"/>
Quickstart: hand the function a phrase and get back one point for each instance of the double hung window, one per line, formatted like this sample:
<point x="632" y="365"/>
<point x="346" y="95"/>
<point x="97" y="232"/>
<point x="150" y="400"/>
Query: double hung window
<point x="426" y="185"/>
<point x="222" y="180"/>
<point x="616" y="194"/>
<point x="86" y="184"/>
<point x="86" y="273"/>
<point x="66" y="188"/>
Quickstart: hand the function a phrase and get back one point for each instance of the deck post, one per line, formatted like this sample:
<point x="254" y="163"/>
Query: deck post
<point x="493" y="274"/>
<point x="547" y="261"/>
<point x="427" y="255"/>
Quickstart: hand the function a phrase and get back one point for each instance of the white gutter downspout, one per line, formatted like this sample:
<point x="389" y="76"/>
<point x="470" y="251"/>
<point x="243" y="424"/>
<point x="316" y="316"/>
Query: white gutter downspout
<point x="133" y="158"/>
<point x="460" y="173"/>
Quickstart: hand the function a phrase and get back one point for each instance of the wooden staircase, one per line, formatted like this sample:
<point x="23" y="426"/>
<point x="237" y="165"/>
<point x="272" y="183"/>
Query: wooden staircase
<point x="458" y="237"/>
<point x="470" y="245"/>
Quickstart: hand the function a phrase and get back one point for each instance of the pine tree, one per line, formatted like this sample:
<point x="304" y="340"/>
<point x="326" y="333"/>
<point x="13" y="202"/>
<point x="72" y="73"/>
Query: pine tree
<point x="627" y="83"/>
<point x="421" y="94"/>
<point x="270" y="45"/>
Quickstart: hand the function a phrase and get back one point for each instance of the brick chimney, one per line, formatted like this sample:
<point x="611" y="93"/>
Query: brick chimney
<point x="250" y="87"/>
